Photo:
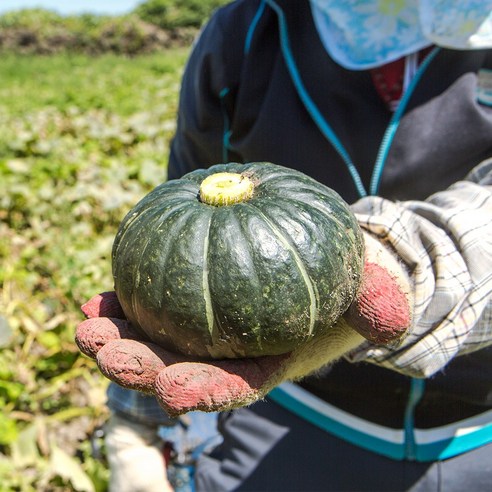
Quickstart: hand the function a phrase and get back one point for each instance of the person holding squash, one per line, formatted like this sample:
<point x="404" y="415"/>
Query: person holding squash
<point x="390" y="105"/>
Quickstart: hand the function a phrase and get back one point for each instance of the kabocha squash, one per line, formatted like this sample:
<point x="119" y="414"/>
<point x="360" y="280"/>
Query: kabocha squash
<point x="237" y="260"/>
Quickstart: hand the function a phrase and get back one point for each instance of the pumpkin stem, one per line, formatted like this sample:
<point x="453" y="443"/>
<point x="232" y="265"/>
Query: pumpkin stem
<point x="226" y="189"/>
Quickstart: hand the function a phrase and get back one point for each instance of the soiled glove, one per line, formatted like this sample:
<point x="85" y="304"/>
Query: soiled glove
<point x="381" y="313"/>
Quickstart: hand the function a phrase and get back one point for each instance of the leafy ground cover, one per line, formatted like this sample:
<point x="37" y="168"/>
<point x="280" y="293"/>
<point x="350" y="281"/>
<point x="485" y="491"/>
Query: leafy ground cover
<point x="82" y="140"/>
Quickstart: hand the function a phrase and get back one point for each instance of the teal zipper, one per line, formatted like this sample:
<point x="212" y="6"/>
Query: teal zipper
<point x="226" y="132"/>
<point x="395" y="123"/>
<point x="252" y="27"/>
<point x="309" y="104"/>
<point x="417" y="387"/>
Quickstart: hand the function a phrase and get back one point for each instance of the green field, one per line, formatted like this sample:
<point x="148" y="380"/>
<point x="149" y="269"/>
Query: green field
<point x="82" y="140"/>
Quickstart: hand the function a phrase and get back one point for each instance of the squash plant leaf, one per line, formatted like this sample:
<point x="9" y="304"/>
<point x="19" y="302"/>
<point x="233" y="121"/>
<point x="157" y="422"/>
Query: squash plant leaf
<point x="63" y="465"/>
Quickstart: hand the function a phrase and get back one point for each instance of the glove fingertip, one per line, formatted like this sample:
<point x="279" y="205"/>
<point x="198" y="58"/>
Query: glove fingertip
<point x="381" y="311"/>
<point x="185" y="387"/>
<point x="92" y="334"/>
<point x="105" y="304"/>
<point x="133" y="364"/>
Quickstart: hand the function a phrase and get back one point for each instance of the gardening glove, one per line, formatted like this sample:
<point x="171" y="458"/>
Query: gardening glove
<point x="380" y="313"/>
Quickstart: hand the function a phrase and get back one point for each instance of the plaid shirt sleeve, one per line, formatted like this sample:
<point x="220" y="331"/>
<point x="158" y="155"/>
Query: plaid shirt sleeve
<point x="446" y="244"/>
<point x="137" y="406"/>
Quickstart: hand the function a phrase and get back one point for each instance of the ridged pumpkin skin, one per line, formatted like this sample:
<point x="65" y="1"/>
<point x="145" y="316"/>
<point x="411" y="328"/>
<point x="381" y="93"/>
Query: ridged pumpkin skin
<point x="253" y="278"/>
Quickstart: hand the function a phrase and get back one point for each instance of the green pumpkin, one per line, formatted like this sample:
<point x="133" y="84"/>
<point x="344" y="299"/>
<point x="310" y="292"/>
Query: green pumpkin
<point x="247" y="263"/>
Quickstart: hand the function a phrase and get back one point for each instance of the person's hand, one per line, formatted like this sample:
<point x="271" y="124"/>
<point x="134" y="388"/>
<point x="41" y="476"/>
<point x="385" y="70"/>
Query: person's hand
<point x="380" y="314"/>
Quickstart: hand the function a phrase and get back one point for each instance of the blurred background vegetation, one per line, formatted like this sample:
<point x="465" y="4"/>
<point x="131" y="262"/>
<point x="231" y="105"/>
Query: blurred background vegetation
<point x="87" y="111"/>
<point x="153" y="25"/>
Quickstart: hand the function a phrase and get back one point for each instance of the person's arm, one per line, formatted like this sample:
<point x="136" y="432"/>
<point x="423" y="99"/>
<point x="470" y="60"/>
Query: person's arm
<point x="445" y="244"/>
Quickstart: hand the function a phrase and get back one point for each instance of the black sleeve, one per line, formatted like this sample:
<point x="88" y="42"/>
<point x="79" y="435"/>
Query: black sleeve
<point x="205" y="100"/>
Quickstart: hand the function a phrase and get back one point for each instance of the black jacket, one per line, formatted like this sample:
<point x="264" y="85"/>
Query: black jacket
<point x="259" y="86"/>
